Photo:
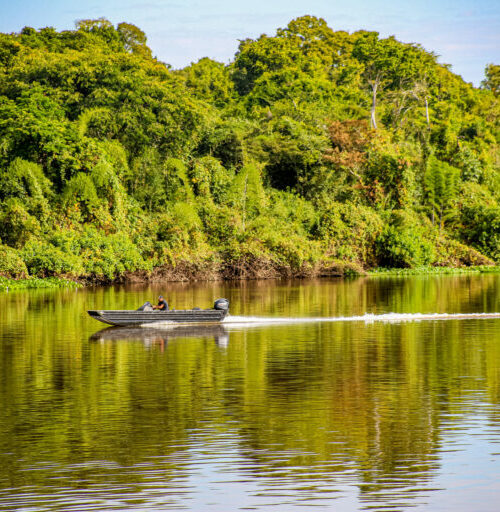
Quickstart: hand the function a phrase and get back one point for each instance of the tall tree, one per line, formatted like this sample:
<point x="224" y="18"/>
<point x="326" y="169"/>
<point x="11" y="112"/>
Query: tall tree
<point x="492" y="80"/>
<point x="134" y="39"/>
<point x="388" y="63"/>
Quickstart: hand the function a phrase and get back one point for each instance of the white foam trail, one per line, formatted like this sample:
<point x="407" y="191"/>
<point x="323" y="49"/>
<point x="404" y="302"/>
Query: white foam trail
<point x="366" y="318"/>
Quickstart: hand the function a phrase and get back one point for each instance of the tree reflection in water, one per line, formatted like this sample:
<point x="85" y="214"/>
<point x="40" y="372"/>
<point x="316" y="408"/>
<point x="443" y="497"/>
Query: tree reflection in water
<point x="282" y="414"/>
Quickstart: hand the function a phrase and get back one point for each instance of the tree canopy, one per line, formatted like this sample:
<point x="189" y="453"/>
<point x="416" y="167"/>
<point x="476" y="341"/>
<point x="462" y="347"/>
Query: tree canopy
<point x="312" y="149"/>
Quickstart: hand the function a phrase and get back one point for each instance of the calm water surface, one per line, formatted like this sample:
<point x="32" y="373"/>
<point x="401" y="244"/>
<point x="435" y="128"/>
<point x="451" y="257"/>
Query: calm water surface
<point x="254" y="415"/>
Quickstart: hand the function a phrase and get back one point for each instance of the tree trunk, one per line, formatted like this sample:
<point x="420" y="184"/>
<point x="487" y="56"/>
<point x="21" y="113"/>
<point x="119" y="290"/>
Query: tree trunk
<point x="245" y="202"/>
<point x="427" y="113"/>
<point x="373" y="118"/>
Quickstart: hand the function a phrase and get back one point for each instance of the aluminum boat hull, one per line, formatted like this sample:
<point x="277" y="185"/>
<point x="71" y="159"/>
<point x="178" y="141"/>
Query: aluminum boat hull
<point x="189" y="316"/>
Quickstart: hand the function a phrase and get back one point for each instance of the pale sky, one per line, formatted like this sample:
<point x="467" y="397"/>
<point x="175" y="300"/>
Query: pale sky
<point x="465" y="33"/>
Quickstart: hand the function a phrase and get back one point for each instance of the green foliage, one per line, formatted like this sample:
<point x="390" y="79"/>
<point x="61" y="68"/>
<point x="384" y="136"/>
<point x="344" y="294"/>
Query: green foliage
<point x="177" y="184"/>
<point x="392" y="181"/>
<point x="7" y="284"/>
<point x="293" y="153"/>
<point x="441" y="183"/>
<point x="480" y="218"/>
<point x="26" y="181"/>
<point x="391" y="65"/>
<point x="247" y="192"/>
<point x="417" y="271"/>
<point x="108" y="256"/>
<point x="185" y="217"/>
<point x="210" y="81"/>
<point x="146" y="179"/>
<point x="11" y="263"/>
<point x="134" y="39"/>
<point x="210" y="179"/>
<point x="110" y="162"/>
<point x="468" y="161"/>
<point x="80" y="190"/>
<point x="100" y="26"/>
<point x="17" y="225"/>
<point x="226" y="141"/>
<point x="24" y="201"/>
<point x="492" y="80"/>
<point x="43" y="259"/>
<point x="220" y="222"/>
<point x="350" y="231"/>
<point x="403" y="243"/>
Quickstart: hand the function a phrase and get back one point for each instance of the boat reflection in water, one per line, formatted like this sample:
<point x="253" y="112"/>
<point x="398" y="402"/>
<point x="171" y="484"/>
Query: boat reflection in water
<point x="162" y="335"/>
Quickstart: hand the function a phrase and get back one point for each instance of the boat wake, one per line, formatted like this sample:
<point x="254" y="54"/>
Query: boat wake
<point x="243" y="321"/>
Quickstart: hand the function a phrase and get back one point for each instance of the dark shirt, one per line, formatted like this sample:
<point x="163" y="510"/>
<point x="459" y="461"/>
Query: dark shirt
<point x="163" y="305"/>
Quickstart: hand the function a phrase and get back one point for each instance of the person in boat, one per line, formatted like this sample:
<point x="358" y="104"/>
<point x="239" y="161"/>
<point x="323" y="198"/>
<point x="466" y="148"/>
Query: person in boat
<point x="162" y="304"/>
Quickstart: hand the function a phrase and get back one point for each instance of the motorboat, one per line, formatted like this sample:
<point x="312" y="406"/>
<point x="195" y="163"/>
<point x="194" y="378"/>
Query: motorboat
<point x="146" y="315"/>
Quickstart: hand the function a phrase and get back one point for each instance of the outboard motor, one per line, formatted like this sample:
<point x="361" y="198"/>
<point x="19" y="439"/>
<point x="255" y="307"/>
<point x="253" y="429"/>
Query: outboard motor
<point x="221" y="304"/>
<point x="146" y="307"/>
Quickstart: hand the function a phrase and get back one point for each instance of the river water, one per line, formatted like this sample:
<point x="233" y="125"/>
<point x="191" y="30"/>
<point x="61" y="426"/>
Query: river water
<point x="322" y="394"/>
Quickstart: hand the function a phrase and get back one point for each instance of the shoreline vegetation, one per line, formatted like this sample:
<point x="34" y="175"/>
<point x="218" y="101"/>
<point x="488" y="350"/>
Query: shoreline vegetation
<point x="434" y="271"/>
<point x="313" y="153"/>
<point x="8" y="284"/>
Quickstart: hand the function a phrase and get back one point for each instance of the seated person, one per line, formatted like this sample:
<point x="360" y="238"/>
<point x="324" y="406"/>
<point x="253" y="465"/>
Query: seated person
<point x="162" y="304"/>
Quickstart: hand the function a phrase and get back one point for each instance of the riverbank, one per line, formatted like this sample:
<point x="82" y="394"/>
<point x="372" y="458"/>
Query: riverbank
<point x="479" y="269"/>
<point x="247" y="268"/>
<point x="195" y="273"/>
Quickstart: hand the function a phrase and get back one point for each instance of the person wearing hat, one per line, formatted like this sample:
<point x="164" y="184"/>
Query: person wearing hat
<point x="162" y="304"/>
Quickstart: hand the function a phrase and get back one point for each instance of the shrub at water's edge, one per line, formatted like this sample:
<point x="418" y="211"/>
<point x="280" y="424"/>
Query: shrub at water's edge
<point x="314" y="152"/>
<point x="434" y="271"/>
<point x="35" y="282"/>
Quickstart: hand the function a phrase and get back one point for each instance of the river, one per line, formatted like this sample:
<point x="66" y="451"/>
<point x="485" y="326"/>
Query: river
<point x="319" y="394"/>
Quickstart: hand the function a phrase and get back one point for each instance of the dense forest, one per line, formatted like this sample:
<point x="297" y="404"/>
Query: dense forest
<point x="313" y="152"/>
